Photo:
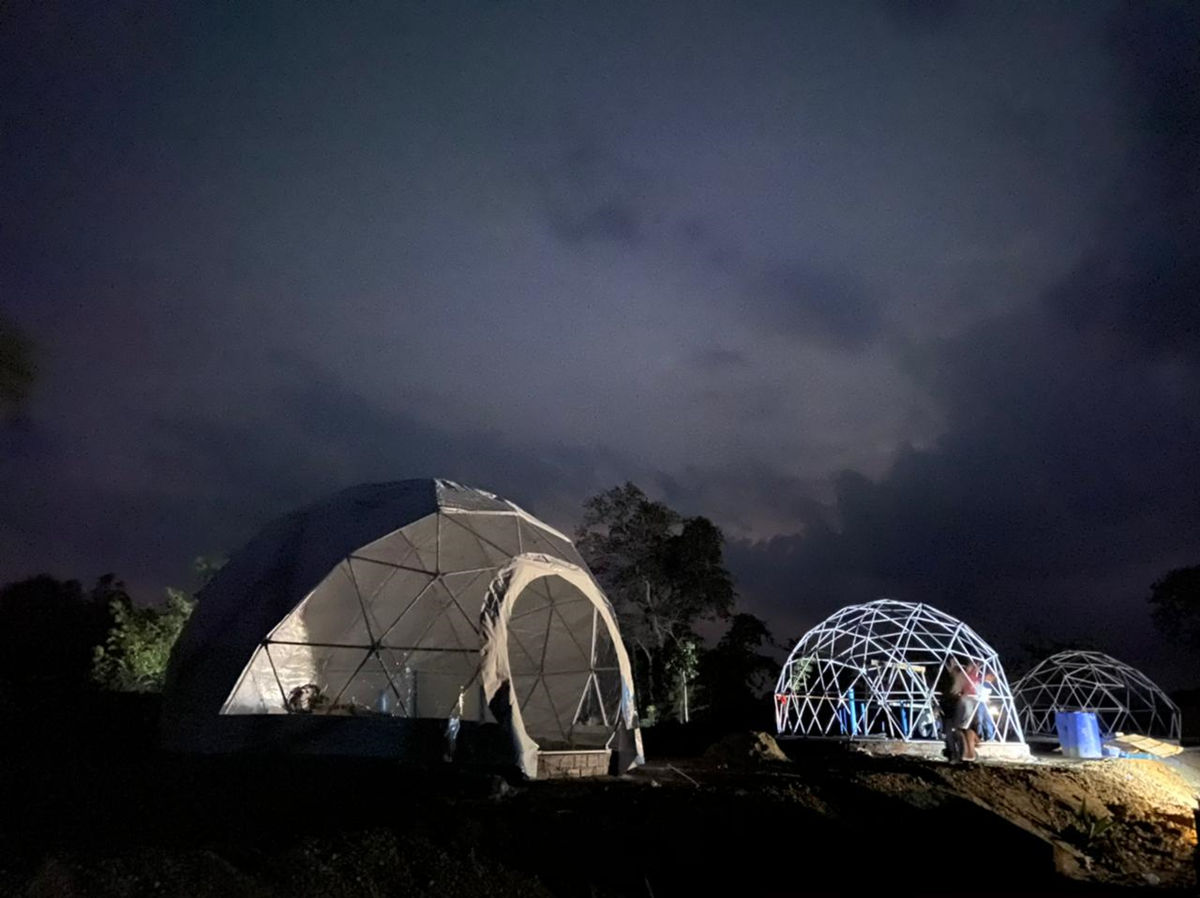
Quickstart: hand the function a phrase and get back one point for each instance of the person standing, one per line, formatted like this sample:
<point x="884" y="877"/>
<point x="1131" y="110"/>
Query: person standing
<point x="964" y="702"/>
<point x="985" y="726"/>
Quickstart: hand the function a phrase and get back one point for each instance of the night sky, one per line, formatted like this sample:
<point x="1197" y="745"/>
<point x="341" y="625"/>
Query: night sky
<point x="904" y="296"/>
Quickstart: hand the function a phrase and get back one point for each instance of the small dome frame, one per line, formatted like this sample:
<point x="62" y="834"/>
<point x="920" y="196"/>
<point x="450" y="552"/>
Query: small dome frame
<point x="1123" y="698"/>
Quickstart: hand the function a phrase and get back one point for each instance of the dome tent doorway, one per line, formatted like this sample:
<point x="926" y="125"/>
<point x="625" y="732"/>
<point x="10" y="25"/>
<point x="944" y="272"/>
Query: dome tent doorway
<point x="871" y="673"/>
<point x="422" y="610"/>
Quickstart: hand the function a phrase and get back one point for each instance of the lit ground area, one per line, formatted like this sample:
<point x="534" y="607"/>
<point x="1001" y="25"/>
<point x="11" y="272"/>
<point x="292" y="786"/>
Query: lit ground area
<point x="828" y="822"/>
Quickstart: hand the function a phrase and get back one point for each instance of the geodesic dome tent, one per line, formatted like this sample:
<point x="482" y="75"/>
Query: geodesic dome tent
<point x="872" y="672"/>
<point x="402" y="619"/>
<point x="1123" y="698"/>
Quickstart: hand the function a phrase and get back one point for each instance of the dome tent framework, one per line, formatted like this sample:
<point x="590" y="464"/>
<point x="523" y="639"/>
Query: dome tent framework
<point x="1123" y="698"/>
<point x="412" y="603"/>
<point x="871" y="672"/>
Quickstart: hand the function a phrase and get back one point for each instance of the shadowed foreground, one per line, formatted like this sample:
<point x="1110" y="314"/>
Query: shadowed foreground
<point x="119" y="823"/>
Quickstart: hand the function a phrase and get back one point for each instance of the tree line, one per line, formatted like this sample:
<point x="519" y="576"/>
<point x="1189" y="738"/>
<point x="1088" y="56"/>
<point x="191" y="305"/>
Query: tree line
<point x="59" y="642"/>
<point x="663" y="571"/>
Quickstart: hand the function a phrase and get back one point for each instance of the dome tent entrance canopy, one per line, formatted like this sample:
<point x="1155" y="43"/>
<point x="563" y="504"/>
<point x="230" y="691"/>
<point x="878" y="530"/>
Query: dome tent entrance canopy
<point x="1122" y="697"/>
<point x="405" y="604"/>
<point x="872" y="672"/>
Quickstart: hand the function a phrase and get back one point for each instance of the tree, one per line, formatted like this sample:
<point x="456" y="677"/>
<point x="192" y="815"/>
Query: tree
<point x="16" y="368"/>
<point x="683" y="664"/>
<point x="205" y="567"/>
<point x="47" y="630"/>
<point x="1175" y="605"/>
<point x="663" y="572"/>
<point x="134" y="656"/>
<point x="737" y="676"/>
<point x="135" y="653"/>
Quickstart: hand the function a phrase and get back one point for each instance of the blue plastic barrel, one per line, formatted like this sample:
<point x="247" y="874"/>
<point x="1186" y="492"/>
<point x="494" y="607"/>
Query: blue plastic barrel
<point x="1078" y="734"/>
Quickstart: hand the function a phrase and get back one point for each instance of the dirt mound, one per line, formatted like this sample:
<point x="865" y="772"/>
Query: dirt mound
<point x="1126" y="822"/>
<point x="741" y="749"/>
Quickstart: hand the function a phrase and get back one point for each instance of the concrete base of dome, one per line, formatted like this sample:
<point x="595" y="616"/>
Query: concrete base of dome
<point x="988" y="751"/>
<point x="573" y="764"/>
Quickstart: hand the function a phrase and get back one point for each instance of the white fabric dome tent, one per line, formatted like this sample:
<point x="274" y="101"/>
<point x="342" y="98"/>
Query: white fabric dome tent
<point x="1123" y="698"/>
<point x="872" y="672"/>
<point x="422" y="609"/>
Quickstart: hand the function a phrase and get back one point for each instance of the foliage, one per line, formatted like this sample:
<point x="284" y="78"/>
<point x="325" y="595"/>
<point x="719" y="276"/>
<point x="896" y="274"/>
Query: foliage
<point x="17" y="369"/>
<point x="135" y="653"/>
<point x="738" y="675"/>
<point x="663" y="572"/>
<point x="205" y="567"/>
<point x="47" y="630"/>
<point x="134" y="656"/>
<point x="1086" y="826"/>
<point x="681" y="668"/>
<point x="1175" y="601"/>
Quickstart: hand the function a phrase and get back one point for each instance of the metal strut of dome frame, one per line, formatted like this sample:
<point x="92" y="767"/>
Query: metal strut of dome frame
<point x="1122" y="697"/>
<point x="872" y="671"/>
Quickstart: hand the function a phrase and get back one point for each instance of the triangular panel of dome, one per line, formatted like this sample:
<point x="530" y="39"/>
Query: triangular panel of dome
<point x="394" y="549"/>
<point x="540" y="716"/>
<point x="463" y="550"/>
<point x="441" y="625"/>
<point x="604" y="652"/>
<point x="525" y="648"/>
<point x="470" y="589"/>
<point x="424" y="535"/>
<point x="335" y="668"/>
<point x="413" y="600"/>
<point x="394" y="595"/>
<point x="370" y="576"/>
<point x="533" y="599"/>
<point x="309" y="675"/>
<point x="566" y="690"/>
<point x="371" y="689"/>
<point x="331" y="614"/>
<point x="531" y="620"/>
<point x="258" y="690"/>
<point x="568" y="645"/>
<point x="497" y="530"/>
<point x="591" y="710"/>
<point x="535" y="539"/>
<point x="569" y="603"/>
<point x="434" y="680"/>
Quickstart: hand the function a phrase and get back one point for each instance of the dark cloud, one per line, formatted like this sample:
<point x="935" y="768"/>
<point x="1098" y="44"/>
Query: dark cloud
<point x="718" y="358"/>
<point x="1066" y="478"/>
<point x="591" y="194"/>
<point x="611" y="221"/>
<point x="205" y="484"/>
<point x="917" y="16"/>
<point x="1062" y="486"/>
<point x="755" y="499"/>
<point x="1140" y="284"/>
<point x="816" y="305"/>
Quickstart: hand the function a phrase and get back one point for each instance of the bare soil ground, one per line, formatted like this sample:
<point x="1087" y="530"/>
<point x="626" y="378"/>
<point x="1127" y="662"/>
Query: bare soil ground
<point x="737" y="820"/>
<point x="1128" y="822"/>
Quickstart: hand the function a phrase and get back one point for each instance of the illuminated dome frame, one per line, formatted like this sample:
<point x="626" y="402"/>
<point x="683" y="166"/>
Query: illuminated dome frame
<point x="872" y="672"/>
<point x="1123" y="698"/>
